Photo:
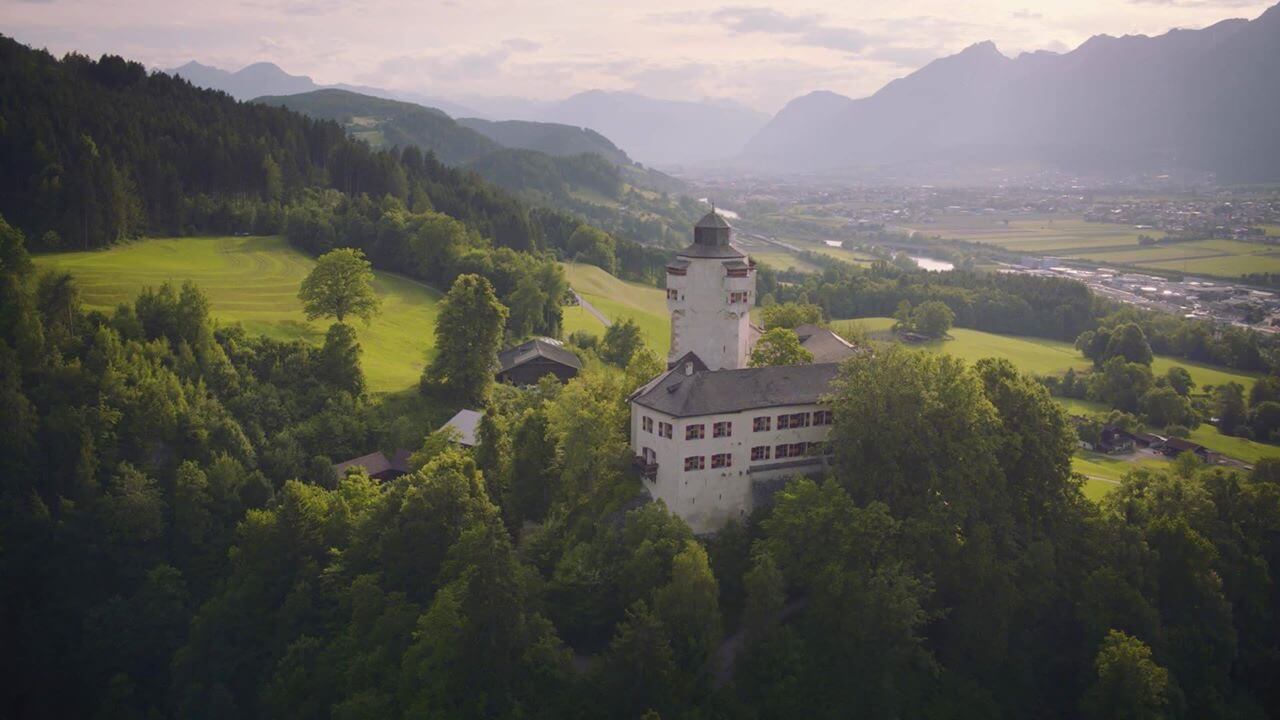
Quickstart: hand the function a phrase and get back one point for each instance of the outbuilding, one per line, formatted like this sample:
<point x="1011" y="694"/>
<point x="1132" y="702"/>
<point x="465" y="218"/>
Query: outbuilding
<point x="529" y="362"/>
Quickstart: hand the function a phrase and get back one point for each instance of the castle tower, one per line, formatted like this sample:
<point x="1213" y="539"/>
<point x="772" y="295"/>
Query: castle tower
<point x="711" y="286"/>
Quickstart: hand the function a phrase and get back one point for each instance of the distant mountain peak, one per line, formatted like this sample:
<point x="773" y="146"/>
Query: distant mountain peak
<point x="986" y="48"/>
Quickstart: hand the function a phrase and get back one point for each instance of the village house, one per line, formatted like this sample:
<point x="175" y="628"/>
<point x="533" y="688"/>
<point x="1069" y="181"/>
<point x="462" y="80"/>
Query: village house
<point x="713" y="437"/>
<point x="529" y="362"/>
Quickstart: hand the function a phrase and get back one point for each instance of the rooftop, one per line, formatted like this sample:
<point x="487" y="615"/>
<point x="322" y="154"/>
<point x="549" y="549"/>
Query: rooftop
<point x="538" y="347"/>
<point x="465" y="422"/>
<point x="711" y="392"/>
<point x="377" y="463"/>
<point x="825" y="344"/>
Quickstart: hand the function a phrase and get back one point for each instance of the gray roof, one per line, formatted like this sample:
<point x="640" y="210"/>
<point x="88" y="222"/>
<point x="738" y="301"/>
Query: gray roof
<point x="376" y="463"/>
<point x="711" y="392"/>
<point x="524" y="352"/>
<point x="711" y="239"/>
<point x="465" y="422"/>
<point x="825" y="345"/>
<point x="713" y="219"/>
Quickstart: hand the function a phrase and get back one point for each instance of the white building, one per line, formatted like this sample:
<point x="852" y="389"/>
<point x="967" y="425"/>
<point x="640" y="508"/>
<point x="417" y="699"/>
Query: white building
<point x="712" y="437"/>
<point x="709" y="443"/>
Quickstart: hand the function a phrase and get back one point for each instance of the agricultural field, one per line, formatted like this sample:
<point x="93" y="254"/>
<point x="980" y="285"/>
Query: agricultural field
<point x="618" y="300"/>
<point x="1106" y="243"/>
<point x="782" y="260"/>
<point x="1047" y="235"/>
<point x="254" y="281"/>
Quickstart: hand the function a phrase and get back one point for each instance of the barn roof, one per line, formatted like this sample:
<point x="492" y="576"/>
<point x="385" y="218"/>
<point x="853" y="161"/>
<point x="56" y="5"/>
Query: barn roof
<point x="514" y="357"/>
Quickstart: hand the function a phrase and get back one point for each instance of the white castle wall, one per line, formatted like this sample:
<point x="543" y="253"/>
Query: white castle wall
<point x="704" y="321"/>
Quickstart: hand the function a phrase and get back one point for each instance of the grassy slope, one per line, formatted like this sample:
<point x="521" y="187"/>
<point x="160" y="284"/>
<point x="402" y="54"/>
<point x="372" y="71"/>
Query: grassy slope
<point x="619" y="299"/>
<point x="254" y="281"/>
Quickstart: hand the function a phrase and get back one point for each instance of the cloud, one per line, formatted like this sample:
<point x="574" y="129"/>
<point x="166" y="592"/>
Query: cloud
<point x="812" y="30"/>
<point x="1026" y="15"/>
<point x="522" y="44"/>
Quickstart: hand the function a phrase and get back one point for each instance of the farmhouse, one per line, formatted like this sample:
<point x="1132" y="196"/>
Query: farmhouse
<point x="528" y="362"/>
<point x="712" y="437"/>
<point x="378" y="465"/>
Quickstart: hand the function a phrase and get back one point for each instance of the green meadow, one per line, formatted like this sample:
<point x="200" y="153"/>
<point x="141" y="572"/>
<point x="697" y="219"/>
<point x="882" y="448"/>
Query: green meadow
<point x="254" y="281"/>
<point x="619" y="300"/>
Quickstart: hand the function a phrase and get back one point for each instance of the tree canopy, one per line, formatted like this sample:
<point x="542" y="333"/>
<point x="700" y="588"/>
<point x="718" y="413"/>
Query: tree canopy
<point x="779" y="346"/>
<point x="340" y="284"/>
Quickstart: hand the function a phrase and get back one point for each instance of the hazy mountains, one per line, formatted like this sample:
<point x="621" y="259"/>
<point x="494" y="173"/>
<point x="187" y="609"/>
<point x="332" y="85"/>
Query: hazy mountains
<point x="387" y="123"/>
<point x="266" y="78"/>
<point x="659" y="132"/>
<point x="655" y="132"/>
<point x="1205" y="99"/>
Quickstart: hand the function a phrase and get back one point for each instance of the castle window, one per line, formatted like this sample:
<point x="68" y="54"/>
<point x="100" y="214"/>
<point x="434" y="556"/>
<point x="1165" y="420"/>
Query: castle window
<point x="722" y="429"/>
<point x="764" y="423"/>
<point x="694" y="462"/>
<point x="721" y="460"/>
<point x="822" y="417"/>
<point x="695" y="432"/>
<point x="673" y="294"/>
<point x="664" y="430"/>
<point x="737" y="297"/>
<point x="782" y="451"/>
<point x="760" y="452"/>
<point x="794" y="420"/>
<point x="647" y="424"/>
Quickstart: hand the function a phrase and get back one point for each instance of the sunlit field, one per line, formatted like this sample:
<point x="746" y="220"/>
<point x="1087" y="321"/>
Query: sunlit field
<point x="254" y="281"/>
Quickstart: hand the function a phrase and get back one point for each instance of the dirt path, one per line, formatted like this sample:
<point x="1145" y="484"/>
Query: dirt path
<point x="591" y="308"/>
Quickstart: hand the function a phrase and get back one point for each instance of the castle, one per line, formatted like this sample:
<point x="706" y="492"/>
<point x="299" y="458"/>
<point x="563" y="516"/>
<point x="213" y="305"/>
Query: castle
<point x="713" y="437"/>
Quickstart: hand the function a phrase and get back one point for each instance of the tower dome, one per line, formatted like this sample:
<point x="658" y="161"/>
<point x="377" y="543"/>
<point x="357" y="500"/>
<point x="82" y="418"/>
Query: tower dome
<point x="711" y="238"/>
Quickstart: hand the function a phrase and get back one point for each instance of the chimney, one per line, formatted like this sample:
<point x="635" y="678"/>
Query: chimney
<point x="688" y="368"/>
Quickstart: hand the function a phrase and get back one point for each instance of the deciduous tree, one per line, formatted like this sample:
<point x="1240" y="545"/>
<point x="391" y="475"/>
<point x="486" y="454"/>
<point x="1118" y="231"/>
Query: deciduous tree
<point x="340" y="284"/>
<point x="468" y="335"/>
<point x="779" y="346"/>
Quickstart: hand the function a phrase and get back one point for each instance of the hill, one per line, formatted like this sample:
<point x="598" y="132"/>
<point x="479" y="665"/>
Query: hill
<point x="619" y="300"/>
<point x="608" y="190"/>
<point x="100" y="151"/>
<point x="1112" y="104"/>
<point x="264" y="78"/>
<point x="550" y="138"/>
<point x="390" y="123"/>
<point x="254" y="281"/>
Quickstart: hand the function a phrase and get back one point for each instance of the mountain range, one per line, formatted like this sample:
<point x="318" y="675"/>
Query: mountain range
<point x="652" y="131"/>
<point x="1199" y="99"/>
<point x="551" y="164"/>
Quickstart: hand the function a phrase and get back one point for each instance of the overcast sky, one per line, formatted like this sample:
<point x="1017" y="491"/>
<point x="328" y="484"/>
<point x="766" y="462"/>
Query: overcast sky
<point x="761" y="55"/>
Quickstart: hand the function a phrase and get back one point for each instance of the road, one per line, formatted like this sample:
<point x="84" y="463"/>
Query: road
<point x="591" y="308"/>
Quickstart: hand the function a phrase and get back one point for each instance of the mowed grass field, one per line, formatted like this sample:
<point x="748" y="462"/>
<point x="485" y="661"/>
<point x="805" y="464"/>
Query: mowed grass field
<point x="619" y="300"/>
<point x="254" y="281"/>
<point x="1106" y="243"/>
<point x="1044" y="357"/>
